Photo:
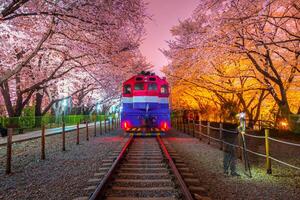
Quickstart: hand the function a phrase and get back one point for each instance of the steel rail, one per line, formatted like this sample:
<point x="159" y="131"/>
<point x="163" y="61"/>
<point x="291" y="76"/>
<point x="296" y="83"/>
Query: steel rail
<point x="102" y="185"/>
<point x="186" y="192"/>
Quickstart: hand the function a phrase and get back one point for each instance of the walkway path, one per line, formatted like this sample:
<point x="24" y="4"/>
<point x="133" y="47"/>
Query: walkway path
<point x="37" y="134"/>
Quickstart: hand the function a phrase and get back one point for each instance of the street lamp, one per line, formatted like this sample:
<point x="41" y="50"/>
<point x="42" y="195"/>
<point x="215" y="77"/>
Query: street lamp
<point x="98" y="107"/>
<point x="64" y="105"/>
<point x="65" y="102"/>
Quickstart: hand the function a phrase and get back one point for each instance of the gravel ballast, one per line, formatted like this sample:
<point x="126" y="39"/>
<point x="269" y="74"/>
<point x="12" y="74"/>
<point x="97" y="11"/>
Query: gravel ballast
<point x="206" y="162"/>
<point x="63" y="175"/>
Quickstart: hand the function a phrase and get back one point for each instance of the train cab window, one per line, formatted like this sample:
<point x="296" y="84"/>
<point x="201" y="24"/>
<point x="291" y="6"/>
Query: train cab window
<point x="127" y="89"/>
<point x="164" y="89"/>
<point x="139" y="86"/>
<point x="152" y="86"/>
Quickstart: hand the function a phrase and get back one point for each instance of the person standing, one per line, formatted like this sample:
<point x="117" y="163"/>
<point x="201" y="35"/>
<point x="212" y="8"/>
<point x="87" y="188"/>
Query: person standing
<point x="230" y="137"/>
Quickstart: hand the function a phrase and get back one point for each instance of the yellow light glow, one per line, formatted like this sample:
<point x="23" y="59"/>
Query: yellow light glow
<point x="284" y="124"/>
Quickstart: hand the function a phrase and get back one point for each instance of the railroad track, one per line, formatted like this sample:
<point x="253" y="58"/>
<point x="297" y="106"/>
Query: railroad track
<point x="144" y="170"/>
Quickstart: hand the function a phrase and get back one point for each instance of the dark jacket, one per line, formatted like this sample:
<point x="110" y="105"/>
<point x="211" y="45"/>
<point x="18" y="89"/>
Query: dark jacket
<point x="230" y="136"/>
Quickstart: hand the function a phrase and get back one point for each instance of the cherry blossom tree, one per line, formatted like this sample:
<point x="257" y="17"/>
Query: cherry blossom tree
<point x="48" y="42"/>
<point x="262" y="35"/>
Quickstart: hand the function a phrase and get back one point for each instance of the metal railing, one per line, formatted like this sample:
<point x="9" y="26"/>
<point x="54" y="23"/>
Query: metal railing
<point x="197" y="131"/>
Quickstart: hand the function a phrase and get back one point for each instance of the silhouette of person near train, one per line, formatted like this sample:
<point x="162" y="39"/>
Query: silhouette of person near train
<point x="230" y="137"/>
<point x="230" y="133"/>
<point x="234" y="123"/>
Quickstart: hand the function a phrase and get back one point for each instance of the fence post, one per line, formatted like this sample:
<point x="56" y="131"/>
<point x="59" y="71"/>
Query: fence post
<point x="200" y="128"/>
<point x="8" y="151"/>
<point x="104" y="124"/>
<point x="268" y="161"/>
<point x="188" y="126"/>
<point x="179" y="123"/>
<point x="63" y="136"/>
<point x="77" y="133"/>
<point x="174" y="123"/>
<point x="109" y="124"/>
<point x="100" y="126"/>
<point x="87" y="130"/>
<point x="43" y="156"/>
<point x="208" y="132"/>
<point x="220" y="136"/>
<point x="194" y="127"/>
<point x="112" y="124"/>
<point x="95" y="127"/>
<point x="115" y="123"/>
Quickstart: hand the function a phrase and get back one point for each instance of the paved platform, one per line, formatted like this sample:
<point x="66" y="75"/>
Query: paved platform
<point x="38" y="133"/>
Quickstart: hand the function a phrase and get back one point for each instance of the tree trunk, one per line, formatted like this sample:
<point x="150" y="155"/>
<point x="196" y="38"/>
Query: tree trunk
<point x="7" y="100"/>
<point x="38" y="109"/>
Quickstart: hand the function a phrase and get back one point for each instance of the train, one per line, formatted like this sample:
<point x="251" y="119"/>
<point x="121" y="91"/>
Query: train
<point x="145" y="108"/>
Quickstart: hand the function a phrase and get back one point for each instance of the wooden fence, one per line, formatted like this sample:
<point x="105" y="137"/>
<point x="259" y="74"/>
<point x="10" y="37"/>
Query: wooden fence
<point x="109" y="125"/>
<point x="203" y="129"/>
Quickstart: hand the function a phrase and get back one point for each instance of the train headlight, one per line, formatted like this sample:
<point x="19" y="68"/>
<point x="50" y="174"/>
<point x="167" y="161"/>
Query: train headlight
<point x="164" y="125"/>
<point x="126" y="125"/>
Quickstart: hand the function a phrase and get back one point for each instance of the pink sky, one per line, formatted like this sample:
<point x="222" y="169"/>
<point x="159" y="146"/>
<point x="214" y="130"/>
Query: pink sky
<point x="165" y="14"/>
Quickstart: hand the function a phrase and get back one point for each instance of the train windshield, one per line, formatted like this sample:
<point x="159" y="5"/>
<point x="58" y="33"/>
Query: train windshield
<point x="139" y="86"/>
<point x="164" y="89"/>
<point x="152" y="86"/>
<point x="127" y="89"/>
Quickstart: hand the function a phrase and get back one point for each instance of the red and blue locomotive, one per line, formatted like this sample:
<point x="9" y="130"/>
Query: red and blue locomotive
<point x="145" y="104"/>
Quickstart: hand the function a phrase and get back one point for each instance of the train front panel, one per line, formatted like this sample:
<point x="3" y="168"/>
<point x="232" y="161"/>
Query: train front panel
<point x="145" y="104"/>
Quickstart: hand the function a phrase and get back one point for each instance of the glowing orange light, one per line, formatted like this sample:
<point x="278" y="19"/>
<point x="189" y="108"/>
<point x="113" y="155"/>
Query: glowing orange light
<point x="284" y="124"/>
